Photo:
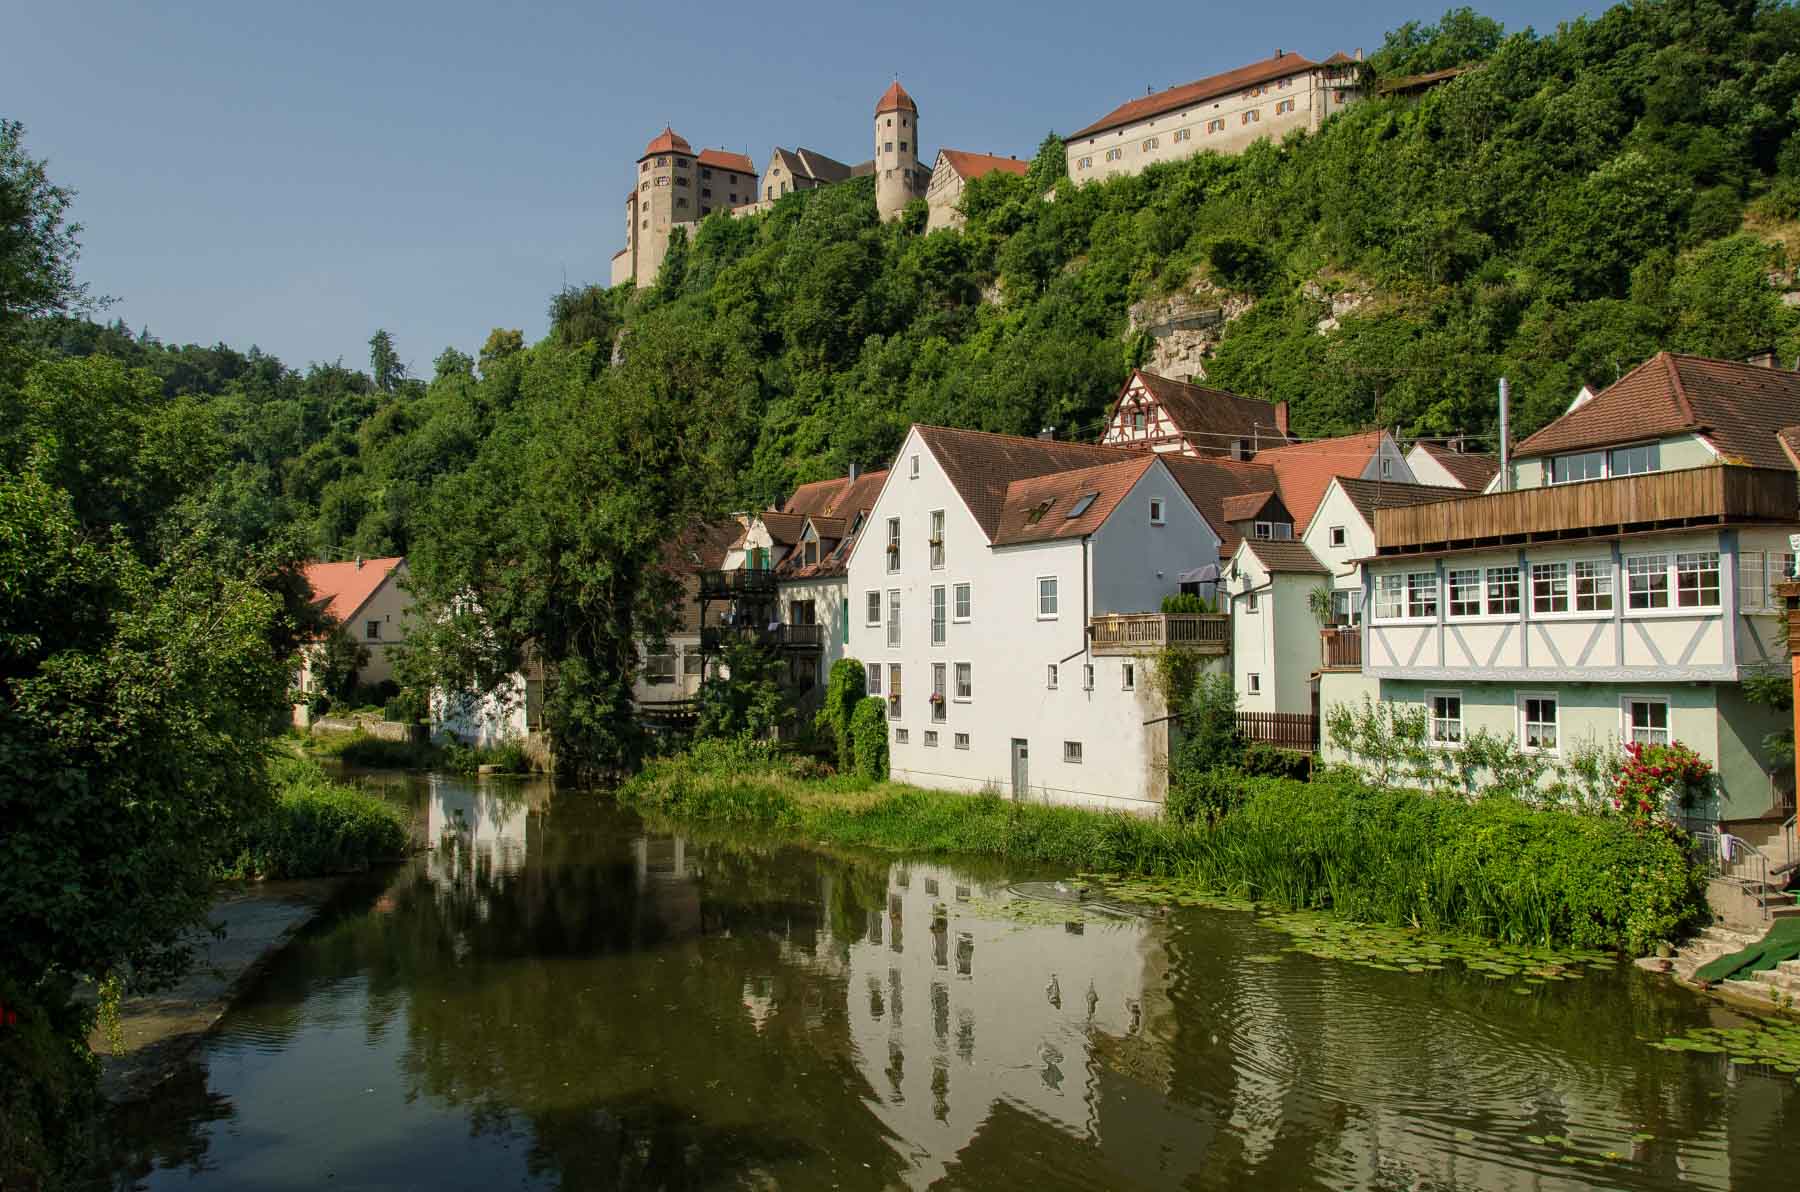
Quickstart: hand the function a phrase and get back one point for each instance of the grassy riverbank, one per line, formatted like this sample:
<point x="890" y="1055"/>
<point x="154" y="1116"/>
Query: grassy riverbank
<point x="316" y="827"/>
<point x="1494" y="869"/>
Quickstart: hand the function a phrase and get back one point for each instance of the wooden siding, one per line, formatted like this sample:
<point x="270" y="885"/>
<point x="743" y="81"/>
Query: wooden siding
<point x="1690" y="497"/>
<point x="1340" y="649"/>
<point x="1284" y="730"/>
<point x="1137" y="633"/>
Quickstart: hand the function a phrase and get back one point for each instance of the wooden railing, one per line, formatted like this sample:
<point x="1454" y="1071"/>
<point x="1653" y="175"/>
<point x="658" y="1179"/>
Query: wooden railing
<point x="803" y="637"/>
<point x="1691" y="496"/>
<point x="1284" y="730"/>
<point x="731" y="585"/>
<point x="1132" y="633"/>
<point x="1340" y="648"/>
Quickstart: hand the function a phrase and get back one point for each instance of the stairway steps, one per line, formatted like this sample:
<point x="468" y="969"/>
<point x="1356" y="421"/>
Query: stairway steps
<point x="1755" y="991"/>
<point x="1787" y="982"/>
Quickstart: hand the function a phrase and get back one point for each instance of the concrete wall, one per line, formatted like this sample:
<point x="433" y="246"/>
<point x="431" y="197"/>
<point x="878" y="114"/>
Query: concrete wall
<point x="1228" y="124"/>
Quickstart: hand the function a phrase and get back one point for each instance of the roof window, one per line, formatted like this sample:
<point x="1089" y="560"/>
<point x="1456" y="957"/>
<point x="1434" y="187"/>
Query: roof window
<point x="1082" y="505"/>
<point x="1037" y="512"/>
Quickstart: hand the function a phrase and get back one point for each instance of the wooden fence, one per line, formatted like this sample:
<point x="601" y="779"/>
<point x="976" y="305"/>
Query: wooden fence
<point x="1284" y="730"/>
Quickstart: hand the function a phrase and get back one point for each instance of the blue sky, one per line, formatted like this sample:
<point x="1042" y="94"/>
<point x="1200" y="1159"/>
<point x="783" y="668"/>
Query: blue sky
<point x="297" y="175"/>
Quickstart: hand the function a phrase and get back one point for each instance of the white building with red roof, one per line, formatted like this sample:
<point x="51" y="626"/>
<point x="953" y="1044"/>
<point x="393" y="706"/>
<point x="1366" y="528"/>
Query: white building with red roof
<point x="368" y="598"/>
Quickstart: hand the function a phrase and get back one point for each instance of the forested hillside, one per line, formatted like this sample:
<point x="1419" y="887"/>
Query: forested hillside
<point x="1584" y="198"/>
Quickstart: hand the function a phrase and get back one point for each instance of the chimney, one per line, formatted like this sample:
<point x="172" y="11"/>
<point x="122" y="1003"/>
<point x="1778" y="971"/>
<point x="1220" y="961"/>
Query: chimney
<point x="1048" y="434"/>
<point x="1763" y="359"/>
<point x="855" y="471"/>
<point x="359" y="562"/>
<point x="1278" y="51"/>
<point x="1359" y="53"/>
<point x="1281" y="418"/>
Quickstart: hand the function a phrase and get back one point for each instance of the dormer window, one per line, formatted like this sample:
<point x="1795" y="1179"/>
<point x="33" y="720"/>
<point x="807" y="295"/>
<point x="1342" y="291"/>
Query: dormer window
<point x="1082" y="505"/>
<point x="810" y="552"/>
<point x="1265" y="531"/>
<point x="1038" y="511"/>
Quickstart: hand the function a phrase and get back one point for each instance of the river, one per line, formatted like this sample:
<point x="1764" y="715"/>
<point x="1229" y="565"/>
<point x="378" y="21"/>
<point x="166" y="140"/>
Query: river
<point x="557" y="997"/>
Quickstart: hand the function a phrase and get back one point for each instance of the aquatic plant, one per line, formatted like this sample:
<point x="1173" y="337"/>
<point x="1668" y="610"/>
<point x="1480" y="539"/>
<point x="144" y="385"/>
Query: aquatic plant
<point x="315" y="827"/>
<point x="1764" y="1043"/>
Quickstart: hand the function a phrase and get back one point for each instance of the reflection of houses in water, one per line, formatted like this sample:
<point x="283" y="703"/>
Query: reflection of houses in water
<point x="943" y="1035"/>
<point x="479" y="829"/>
<point x="668" y="885"/>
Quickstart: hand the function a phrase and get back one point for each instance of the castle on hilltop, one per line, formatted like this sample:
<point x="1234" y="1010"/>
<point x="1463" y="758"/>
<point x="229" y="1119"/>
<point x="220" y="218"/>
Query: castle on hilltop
<point x="1226" y="113"/>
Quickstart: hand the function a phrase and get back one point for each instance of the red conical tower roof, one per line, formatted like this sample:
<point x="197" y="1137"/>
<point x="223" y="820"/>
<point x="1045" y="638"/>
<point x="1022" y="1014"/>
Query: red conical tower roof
<point x="667" y="141"/>
<point x="895" y="99"/>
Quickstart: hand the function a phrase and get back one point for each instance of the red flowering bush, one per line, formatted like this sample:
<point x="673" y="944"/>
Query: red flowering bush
<point x="1649" y="774"/>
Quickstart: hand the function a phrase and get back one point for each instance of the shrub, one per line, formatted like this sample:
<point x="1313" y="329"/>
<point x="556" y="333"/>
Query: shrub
<point x="869" y="731"/>
<point x="1203" y="796"/>
<point x="374" y="753"/>
<point x="47" y="1084"/>
<point x="1264" y="760"/>
<point x="508" y="755"/>
<point x="1209" y="727"/>
<point x="846" y="686"/>
<point x="317" y="827"/>
<point x="1186" y="602"/>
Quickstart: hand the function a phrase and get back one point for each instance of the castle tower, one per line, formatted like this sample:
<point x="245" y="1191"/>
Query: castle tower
<point x="896" y="152"/>
<point x="666" y="196"/>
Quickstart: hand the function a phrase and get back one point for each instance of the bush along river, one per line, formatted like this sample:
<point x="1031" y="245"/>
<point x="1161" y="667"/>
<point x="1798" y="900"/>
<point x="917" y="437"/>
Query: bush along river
<point x="558" y="995"/>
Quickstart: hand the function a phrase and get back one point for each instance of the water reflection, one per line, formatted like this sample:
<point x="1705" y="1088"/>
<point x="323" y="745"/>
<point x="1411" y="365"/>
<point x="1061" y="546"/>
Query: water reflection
<point x="557" y="996"/>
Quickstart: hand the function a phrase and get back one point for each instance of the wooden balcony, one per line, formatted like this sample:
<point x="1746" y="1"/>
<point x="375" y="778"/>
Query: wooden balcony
<point x="741" y="584"/>
<point x="1709" y="496"/>
<point x="1142" y="633"/>
<point x="802" y="638"/>
<point x="799" y="638"/>
<point x="1340" y="648"/>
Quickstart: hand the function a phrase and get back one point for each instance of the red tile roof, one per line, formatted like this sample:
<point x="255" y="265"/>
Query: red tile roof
<point x="1740" y="408"/>
<point x="343" y="588"/>
<point x="1470" y="469"/>
<point x="1302" y="470"/>
<point x="1249" y="505"/>
<point x="980" y="465"/>
<point x="1210" y="87"/>
<point x="979" y="165"/>
<point x="727" y="161"/>
<point x="666" y="141"/>
<point x="1213" y="419"/>
<point x="839" y="497"/>
<point x="1289" y="555"/>
<point x="895" y="99"/>
<point x="1053" y="497"/>
<point x="1211" y="482"/>
<point x="784" y="528"/>
<point x="1790" y="442"/>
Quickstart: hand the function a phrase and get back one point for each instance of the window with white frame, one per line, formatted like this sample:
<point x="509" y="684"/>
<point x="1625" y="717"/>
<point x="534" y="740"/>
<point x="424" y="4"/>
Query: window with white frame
<point x="1421" y="594"/>
<point x="893" y="690"/>
<point x="893" y="545"/>
<point x="1697" y="579"/>
<point x="1647" y="581"/>
<point x="1549" y="588"/>
<point x="1271" y="531"/>
<point x="1087" y="676"/>
<point x="901" y="736"/>
<point x="1046" y="604"/>
<point x="1156" y="511"/>
<point x="1593" y="586"/>
<point x="1502" y="591"/>
<point x="938" y="694"/>
<point x="930" y="739"/>
<point x="937" y="615"/>
<point x="1753" y="580"/>
<point x="372" y="630"/>
<point x="1253" y="682"/>
<point x="1387" y="468"/>
<point x="1465" y="592"/>
<point x="872" y="603"/>
<point x="1577" y="466"/>
<point x="965" y="682"/>
<point x="873" y="678"/>
<point x="1128" y="677"/>
<point x="1646" y="719"/>
<point x="1072" y="752"/>
<point x="962" y="740"/>
<point x="1345" y="604"/>
<point x="914" y="472"/>
<point x="1338" y="537"/>
<point x="1446" y="727"/>
<point x="1050" y="678"/>
<point x="1252" y="601"/>
<point x="1390" y="596"/>
<point x="1634" y="460"/>
<point x="937" y="539"/>
<point x="962" y="602"/>
<point x="1538" y="723"/>
<point x="893" y="622"/>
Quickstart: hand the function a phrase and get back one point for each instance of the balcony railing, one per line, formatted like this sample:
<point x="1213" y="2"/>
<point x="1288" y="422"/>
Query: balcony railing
<point x="803" y="637"/>
<point x="1138" y="633"/>
<point x="714" y="638"/>
<point x="736" y="585"/>
<point x="1340" y="648"/>
<point x="1656" y="500"/>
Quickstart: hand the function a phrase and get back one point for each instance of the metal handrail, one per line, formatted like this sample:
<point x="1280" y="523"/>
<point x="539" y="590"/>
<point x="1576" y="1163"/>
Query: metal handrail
<point x="1737" y="860"/>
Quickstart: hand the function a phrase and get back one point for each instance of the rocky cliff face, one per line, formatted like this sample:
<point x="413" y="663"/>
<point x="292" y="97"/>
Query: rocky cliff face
<point x="1185" y="327"/>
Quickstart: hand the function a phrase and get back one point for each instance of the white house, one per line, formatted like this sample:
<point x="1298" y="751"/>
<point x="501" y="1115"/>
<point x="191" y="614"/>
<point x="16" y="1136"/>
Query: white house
<point x="1449" y="466"/>
<point x="1620" y="592"/>
<point x="985" y="560"/>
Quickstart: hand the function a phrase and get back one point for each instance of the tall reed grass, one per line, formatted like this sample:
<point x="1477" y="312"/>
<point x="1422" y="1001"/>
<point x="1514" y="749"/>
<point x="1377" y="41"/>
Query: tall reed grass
<point x="1495" y="869"/>
<point x="316" y="827"/>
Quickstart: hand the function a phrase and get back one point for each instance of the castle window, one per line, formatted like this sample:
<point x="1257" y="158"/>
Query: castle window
<point x="1114" y="154"/>
<point x="705" y="173"/>
<point x="1284" y="82"/>
<point x="1086" y="163"/>
<point x="1252" y="116"/>
<point x="887" y="146"/>
<point x="1150" y="144"/>
<point x="903" y="146"/>
<point x="1184" y="134"/>
<point x="681" y="182"/>
<point x="1255" y="91"/>
<point x="662" y="181"/>
<point x="643" y="167"/>
<point x="733" y="197"/>
<point x="662" y="161"/>
<point x="1286" y="105"/>
<point x="1213" y="126"/>
<point x="706" y="192"/>
<point x="705" y="210"/>
<point x="681" y="202"/>
<point x="643" y="186"/>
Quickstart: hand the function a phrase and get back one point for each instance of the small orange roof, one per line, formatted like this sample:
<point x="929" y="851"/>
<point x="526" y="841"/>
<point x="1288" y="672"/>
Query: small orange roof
<point x="1304" y="470"/>
<point x="667" y="141"/>
<point x="895" y="99"/>
<point x="725" y="160"/>
<point x="979" y="165"/>
<point x="345" y="587"/>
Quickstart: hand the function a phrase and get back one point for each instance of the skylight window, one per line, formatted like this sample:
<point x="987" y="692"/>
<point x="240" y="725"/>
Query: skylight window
<point x="1036" y="514"/>
<point x="1082" y="505"/>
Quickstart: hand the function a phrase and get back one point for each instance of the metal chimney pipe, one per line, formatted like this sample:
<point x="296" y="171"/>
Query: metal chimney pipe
<point x="1505" y="439"/>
